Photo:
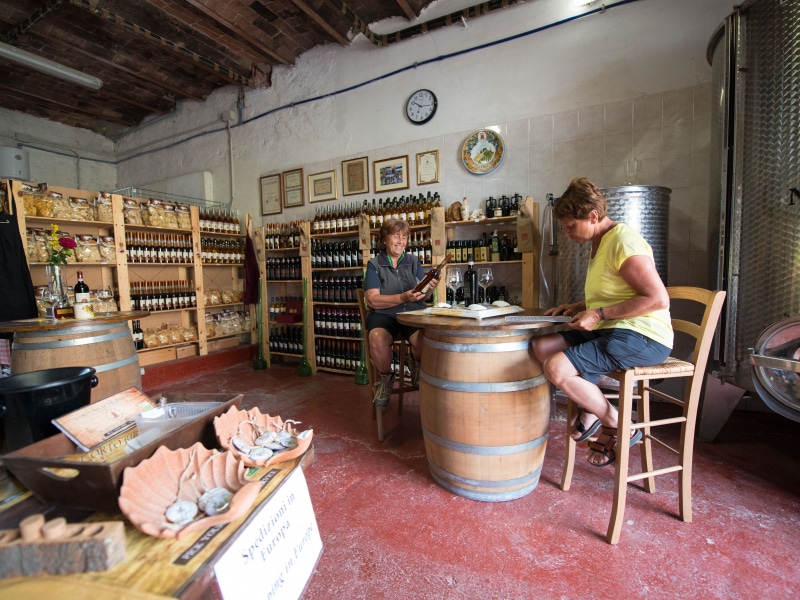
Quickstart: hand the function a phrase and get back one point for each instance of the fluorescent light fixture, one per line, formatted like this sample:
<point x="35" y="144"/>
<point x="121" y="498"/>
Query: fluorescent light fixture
<point x="49" y="67"/>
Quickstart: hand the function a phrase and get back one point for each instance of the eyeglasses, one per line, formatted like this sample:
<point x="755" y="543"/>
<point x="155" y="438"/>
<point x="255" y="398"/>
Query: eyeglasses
<point x="400" y="237"/>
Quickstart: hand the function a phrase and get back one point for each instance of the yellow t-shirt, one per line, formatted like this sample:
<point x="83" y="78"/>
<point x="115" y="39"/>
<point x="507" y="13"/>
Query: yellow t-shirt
<point x="605" y="286"/>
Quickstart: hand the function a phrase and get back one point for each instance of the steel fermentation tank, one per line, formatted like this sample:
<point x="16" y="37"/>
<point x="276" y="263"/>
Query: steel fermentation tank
<point x="643" y="207"/>
<point x="755" y="190"/>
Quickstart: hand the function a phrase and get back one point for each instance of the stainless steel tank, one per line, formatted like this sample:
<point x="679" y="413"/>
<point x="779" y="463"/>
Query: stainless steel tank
<point x="643" y="207"/>
<point x="755" y="175"/>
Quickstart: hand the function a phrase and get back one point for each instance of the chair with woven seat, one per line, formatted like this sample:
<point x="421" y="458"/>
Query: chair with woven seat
<point x="634" y="385"/>
<point x="401" y="383"/>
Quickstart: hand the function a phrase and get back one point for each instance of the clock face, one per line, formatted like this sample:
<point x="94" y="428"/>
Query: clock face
<point x="421" y="106"/>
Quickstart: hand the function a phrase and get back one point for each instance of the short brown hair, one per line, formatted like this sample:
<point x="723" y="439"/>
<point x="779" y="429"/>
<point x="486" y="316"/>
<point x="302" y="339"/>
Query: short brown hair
<point x="579" y="199"/>
<point x="389" y="228"/>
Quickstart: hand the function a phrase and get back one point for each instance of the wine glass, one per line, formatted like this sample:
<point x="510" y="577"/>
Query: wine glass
<point x="49" y="298"/>
<point x="485" y="279"/>
<point x="454" y="282"/>
<point x="104" y="295"/>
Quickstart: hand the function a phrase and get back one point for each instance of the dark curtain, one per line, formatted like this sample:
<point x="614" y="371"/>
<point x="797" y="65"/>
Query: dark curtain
<point x="251" y="273"/>
<point x="17" y="300"/>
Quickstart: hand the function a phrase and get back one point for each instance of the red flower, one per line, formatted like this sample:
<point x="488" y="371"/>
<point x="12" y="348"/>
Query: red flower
<point x="67" y="242"/>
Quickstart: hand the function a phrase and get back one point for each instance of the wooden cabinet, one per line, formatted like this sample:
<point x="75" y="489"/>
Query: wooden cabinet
<point x="518" y="276"/>
<point x="157" y="268"/>
<point x="285" y="269"/>
<point x="337" y="269"/>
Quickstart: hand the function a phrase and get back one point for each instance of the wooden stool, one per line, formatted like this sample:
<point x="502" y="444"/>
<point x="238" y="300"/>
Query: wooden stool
<point x="401" y="383"/>
<point x="635" y="385"/>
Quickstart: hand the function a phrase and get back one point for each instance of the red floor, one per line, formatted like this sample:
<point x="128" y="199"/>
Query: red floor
<point x="389" y="531"/>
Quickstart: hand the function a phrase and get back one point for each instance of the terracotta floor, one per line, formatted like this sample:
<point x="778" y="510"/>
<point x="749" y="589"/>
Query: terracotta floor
<point x="389" y="531"/>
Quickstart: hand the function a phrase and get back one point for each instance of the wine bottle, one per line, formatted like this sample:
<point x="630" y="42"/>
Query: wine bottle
<point x="424" y="285"/>
<point x="81" y="290"/>
<point x="138" y="335"/>
<point x="470" y="283"/>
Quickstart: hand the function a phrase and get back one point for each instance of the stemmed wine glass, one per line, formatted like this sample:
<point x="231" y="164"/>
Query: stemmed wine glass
<point x="49" y="298"/>
<point x="104" y="295"/>
<point x="485" y="279"/>
<point x="454" y="282"/>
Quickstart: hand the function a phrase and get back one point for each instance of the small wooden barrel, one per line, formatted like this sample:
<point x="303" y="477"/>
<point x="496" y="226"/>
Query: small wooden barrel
<point x="485" y="410"/>
<point x="108" y="347"/>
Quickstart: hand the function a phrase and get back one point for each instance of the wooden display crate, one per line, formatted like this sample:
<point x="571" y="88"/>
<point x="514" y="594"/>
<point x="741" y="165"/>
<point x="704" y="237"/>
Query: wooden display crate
<point x="44" y="469"/>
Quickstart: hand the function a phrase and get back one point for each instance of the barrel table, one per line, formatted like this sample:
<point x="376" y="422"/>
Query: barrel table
<point x="484" y="404"/>
<point x="104" y="343"/>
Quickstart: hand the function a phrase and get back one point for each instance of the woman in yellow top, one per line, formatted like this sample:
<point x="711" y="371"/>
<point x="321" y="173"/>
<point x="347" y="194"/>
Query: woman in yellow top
<point x="623" y="322"/>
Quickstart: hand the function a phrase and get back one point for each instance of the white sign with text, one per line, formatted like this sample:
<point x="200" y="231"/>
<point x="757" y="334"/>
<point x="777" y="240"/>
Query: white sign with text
<point x="274" y="556"/>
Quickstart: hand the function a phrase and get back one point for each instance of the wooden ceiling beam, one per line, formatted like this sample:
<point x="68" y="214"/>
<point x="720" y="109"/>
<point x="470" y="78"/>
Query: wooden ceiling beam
<point x="201" y="62"/>
<point x="70" y="108"/>
<point x="407" y="10"/>
<point x="320" y="22"/>
<point x="241" y="37"/>
<point x="179" y="92"/>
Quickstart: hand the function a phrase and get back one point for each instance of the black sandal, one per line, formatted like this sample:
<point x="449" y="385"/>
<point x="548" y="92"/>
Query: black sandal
<point x="607" y="448"/>
<point x="585" y="433"/>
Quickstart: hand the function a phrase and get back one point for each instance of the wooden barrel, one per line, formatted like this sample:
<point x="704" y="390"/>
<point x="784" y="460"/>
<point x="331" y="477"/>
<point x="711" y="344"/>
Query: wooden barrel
<point x="107" y="347"/>
<point x="485" y="411"/>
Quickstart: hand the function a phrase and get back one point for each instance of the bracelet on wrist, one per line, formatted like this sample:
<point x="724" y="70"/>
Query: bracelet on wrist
<point x="602" y="314"/>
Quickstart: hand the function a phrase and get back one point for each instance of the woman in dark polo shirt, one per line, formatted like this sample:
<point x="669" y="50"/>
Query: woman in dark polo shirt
<point x="388" y="289"/>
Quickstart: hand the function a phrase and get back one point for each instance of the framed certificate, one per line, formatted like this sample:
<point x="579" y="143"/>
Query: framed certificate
<point x="293" y="188"/>
<point x="322" y="186"/>
<point x="355" y="176"/>
<point x="271" y="195"/>
<point x="428" y="167"/>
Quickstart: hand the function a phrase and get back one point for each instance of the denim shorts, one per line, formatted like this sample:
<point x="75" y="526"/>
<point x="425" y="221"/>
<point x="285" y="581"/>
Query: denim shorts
<point x="389" y="323"/>
<point x="599" y="352"/>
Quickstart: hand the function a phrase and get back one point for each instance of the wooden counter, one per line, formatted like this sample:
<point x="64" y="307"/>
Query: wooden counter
<point x="157" y="567"/>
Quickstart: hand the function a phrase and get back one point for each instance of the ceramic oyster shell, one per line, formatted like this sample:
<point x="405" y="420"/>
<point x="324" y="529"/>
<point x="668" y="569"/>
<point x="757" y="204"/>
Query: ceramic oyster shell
<point x="151" y="487"/>
<point x="228" y="424"/>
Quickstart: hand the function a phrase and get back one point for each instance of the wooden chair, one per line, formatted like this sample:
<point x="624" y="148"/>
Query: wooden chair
<point x="640" y="377"/>
<point x="401" y="384"/>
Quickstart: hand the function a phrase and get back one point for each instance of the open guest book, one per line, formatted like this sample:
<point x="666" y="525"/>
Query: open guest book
<point x="465" y="313"/>
<point x="538" y="319"/>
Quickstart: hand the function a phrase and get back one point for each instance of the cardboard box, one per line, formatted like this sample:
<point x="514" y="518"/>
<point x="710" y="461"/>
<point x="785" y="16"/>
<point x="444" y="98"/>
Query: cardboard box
<point x="43" y="469"/>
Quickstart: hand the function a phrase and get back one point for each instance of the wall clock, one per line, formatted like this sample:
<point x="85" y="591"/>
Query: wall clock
<point x="421" y="106"/>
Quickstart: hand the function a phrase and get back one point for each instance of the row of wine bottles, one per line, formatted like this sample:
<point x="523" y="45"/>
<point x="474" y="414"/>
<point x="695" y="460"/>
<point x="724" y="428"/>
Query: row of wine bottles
<point x="282" y="235"/>
<point x="277" y="305"/>
<point x="217" y="251"/>
<point x="219" y="220"/>
<point x="335" y="289"/>
<point x="416" y="210"/>
<point x="484" y="249"/>
<point x="163" y="295"/>
<point x="335" y="255"/>
<point x="287" y="340"/>
<point x="343" y="355"/>
<point x="142" y="247"/>
<point x="287" y="268"/>
<point x="338" y="322"/>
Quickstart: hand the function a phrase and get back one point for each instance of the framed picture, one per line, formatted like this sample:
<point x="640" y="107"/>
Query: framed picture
<point x="355" y="176"/>
<point x="293" y="188"/>
<point x="271" y="195"/>
<point x="391" y="174"/>
<point x="428" y="167"/>
<point x="322" y="186"/>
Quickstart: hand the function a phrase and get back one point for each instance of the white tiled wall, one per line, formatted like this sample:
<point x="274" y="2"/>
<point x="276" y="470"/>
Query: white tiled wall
<point x="667" y="133"/>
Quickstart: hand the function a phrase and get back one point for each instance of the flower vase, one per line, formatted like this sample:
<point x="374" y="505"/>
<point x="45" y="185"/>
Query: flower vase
<point x="55" y="281"/>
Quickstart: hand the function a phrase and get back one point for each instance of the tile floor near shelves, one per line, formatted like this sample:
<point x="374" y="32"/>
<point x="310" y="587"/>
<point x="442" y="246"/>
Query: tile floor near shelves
<point x="389" y="531"/>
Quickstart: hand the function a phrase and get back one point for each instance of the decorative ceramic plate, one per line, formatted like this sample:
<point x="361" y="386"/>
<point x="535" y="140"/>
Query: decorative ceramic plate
<point x="154" y="487"/>
<point x="483" y="152"/>
<point x="259" y="440"/>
